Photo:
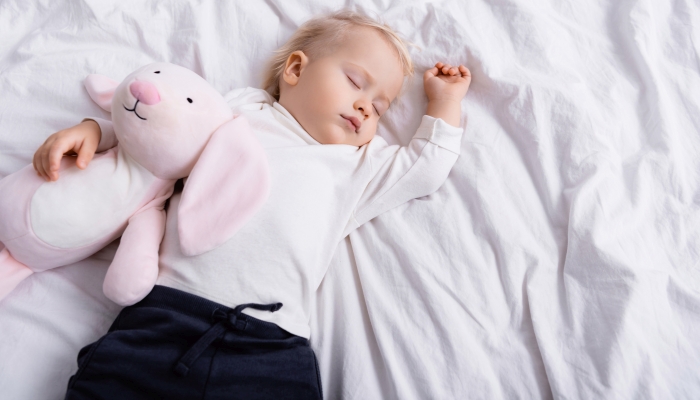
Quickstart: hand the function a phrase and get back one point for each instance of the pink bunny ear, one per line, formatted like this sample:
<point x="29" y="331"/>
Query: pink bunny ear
<point x="228" y="184"/>
<point x="101" y="90"/>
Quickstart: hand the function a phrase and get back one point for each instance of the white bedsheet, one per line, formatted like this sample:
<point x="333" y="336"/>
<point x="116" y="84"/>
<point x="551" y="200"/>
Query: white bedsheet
<point x="560" y="259"/>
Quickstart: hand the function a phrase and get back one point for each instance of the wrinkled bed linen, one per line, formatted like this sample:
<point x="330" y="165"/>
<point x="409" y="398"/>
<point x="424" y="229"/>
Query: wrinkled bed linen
<point x="561" y="259"/>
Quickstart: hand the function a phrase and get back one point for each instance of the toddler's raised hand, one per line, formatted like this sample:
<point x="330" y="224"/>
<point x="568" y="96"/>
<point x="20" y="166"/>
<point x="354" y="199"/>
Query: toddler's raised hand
<point x="445" y="82"/>
<point x="81" y="139"/>
<point x="445" y="87"/>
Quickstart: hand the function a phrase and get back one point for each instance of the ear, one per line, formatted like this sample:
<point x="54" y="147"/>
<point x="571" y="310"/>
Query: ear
<point x="227" y="186"/>
<point x="101" y="90"/>
<point x="296" y="62"/>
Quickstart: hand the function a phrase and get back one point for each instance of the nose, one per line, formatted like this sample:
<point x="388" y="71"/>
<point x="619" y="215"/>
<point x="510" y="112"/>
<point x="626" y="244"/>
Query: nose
<point x="364" y="107"/>
<point x="145" y="92"/>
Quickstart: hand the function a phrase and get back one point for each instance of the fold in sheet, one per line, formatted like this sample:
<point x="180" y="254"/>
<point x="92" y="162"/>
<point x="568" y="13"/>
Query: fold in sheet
<point x="559" y="260"/>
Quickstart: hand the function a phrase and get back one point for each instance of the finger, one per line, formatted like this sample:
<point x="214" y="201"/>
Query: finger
<point x="446" y="68"/>
<point x="36" y="165"/>
<point x="54" y="159"/>
<point x="430" y="73"/>
<point x="34" y="161"/>
<point x="439" y="65"/>
<point x="453" y="71"/>
<point x="466" y="74"/>
<point x="85" y="153"/>
<point x="44" y="163"/>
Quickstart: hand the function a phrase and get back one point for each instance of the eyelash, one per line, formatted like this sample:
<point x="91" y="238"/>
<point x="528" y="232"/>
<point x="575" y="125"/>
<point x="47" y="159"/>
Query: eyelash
<point x="353" y="82"/>
<point x="375" y="108"/>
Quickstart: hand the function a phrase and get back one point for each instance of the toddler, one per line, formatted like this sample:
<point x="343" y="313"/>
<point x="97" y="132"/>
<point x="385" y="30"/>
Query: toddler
<point x="234" y="322"/>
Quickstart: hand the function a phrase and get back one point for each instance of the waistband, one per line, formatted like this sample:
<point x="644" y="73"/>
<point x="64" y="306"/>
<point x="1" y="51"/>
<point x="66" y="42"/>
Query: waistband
<point x="222" y="319"/>
<point x="172" y="299"/>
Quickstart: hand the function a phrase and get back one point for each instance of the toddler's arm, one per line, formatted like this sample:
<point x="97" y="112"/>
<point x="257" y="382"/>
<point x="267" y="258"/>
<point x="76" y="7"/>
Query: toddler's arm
<point x="400" y="174"/>
<point x="85" y="139"/>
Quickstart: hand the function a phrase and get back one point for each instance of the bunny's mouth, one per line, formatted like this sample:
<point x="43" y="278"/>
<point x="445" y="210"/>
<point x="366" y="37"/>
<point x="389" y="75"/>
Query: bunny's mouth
<point x="134" y="110"/>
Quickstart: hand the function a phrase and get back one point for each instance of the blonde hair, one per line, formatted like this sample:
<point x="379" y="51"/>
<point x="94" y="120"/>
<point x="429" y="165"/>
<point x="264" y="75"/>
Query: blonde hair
<point x="318" y="36"/>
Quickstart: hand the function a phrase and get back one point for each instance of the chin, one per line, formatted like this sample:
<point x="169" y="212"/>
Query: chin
<point x="336" y="136"/>
<point x="328" y="139"/>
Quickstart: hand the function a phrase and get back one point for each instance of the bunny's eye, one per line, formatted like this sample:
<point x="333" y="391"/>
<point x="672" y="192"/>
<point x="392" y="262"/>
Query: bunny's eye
<point x="157" y="72"/>
<point x="190" y="100"/>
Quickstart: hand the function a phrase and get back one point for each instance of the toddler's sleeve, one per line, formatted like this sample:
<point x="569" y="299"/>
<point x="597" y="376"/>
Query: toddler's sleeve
<point x="400" y="174"/>
<point x="108" y="139"/>
<point x="247" y="99"/>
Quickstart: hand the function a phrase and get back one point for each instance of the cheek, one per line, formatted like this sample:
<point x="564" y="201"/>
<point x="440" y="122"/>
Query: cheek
<point x="333" y="97"/>
<point x="333" y="90"/>
<point x="369" y="133"/>
<point x="321" y="97"/>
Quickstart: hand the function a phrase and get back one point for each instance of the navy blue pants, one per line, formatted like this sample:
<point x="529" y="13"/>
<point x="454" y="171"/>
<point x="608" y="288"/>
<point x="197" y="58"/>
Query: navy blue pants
<point x="175" y="345"/>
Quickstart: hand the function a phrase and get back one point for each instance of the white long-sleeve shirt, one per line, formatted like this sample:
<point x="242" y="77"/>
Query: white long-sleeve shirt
<point x="318" y="195"/>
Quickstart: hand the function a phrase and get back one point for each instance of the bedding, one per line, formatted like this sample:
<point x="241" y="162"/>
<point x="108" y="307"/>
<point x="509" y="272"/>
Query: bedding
<point x="560" y="259"/>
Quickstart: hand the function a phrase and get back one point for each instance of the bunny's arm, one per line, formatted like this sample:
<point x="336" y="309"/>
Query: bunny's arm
<point x="134" y="270"/>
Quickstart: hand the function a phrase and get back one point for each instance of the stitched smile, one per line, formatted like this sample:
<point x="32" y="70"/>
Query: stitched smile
<point x="134" y="110"/>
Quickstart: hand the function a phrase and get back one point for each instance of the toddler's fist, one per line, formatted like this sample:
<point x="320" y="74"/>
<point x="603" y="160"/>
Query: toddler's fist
<point x="445" y="82"/>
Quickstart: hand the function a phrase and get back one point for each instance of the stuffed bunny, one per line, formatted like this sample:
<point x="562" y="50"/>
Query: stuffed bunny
<point x="170" y="124"/>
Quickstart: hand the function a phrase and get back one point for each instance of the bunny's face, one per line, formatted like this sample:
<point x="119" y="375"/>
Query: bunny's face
<point x="164" y="115"/>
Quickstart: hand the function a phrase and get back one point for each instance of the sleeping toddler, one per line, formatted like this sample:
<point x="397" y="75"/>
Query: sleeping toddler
<point x="234" y="322"/>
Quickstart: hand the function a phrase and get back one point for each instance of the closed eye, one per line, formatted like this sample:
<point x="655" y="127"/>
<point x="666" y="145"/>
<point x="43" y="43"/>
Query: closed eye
<point x="353" y="82"/>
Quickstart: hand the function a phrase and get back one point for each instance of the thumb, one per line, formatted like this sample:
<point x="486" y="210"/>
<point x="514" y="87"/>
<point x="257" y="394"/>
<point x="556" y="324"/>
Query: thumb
<point x="430" y="73"/>
<point x="466" y="73"/>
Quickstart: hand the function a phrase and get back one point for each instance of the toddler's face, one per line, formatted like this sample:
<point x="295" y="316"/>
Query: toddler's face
<point x="339" y="97"/>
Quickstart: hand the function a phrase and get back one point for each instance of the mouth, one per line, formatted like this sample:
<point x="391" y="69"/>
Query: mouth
<point x="352" y="122"/>
<point x="134" y="110"/>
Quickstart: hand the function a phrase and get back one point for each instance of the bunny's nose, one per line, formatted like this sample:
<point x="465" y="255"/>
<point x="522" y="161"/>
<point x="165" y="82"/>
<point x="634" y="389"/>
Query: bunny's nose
<point x="145" y="92"/>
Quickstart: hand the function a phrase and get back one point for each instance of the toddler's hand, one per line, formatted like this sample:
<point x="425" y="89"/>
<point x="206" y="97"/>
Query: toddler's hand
<point x="81" y="139"/>
<point x="445" y="82"/>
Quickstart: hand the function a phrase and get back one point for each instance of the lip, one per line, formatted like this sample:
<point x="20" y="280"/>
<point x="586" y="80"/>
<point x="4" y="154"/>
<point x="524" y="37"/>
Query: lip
<point x="354" y="122"/>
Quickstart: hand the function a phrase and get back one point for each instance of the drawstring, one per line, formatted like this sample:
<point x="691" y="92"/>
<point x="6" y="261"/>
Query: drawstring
<point x="224" y="321"/>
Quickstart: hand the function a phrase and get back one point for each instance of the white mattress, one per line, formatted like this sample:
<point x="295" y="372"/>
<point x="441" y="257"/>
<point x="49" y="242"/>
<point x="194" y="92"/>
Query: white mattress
<point x="560" y="259"/>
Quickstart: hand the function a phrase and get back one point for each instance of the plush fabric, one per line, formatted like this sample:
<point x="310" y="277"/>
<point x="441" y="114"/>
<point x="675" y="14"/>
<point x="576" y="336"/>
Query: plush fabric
<point x="164" y="117"/>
